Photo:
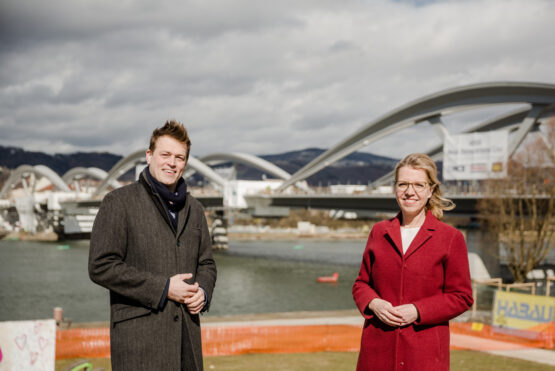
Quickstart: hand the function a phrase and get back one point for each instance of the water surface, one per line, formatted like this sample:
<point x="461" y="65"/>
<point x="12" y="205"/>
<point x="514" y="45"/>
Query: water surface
<point x="253" y="277"/>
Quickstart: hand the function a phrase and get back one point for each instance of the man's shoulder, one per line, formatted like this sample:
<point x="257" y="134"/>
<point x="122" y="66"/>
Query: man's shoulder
<point x="195" y="204"/>
<point x="124" y="192"/>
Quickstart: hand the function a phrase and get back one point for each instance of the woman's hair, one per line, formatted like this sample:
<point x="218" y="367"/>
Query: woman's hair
<point x="173" y="129"/>
<point x="436" y="204"/>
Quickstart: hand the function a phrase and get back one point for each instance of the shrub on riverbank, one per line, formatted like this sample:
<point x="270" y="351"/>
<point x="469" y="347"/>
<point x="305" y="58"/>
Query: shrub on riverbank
<point x="316" y="217"/>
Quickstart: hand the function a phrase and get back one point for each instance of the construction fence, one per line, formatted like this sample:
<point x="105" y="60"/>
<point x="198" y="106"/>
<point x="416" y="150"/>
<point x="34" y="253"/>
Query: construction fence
<point x="503" y="317"/>
<point x="234" y="340"/>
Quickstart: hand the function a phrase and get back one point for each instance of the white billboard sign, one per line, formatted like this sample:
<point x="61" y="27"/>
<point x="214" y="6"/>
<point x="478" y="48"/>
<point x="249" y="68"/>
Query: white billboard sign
<point x="236" y="190"/>
<point x="475" y="156"/>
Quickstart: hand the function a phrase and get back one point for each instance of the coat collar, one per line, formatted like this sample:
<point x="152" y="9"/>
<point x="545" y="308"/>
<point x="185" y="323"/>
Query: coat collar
<point x="183" y="214"/>
<point x="393" y="230"/>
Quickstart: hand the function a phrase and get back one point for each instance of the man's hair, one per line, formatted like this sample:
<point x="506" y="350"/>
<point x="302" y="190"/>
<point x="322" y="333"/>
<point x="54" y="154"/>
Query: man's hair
<point x="174" y="129"/>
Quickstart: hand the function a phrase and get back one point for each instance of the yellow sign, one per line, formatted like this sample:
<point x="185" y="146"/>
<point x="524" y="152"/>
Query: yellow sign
<point x="522" y="311"/>
<point x="477" y="326"/>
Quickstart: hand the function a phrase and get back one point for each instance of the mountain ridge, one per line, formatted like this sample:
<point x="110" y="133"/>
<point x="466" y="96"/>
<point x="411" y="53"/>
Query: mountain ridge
<point x="357" y="168"/>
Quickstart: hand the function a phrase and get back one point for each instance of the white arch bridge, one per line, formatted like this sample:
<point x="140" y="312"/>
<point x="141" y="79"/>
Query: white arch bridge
<point x="536" y="102"/>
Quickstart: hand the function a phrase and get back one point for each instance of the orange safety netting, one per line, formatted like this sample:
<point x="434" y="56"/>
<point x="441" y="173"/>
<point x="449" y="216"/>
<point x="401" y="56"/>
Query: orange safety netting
<point x="218" y="341"/>
<point x="83" y="343"/>
<point x="233" y="340"/>
<point x="226" y="340"/>
<point x="541" y="336"/>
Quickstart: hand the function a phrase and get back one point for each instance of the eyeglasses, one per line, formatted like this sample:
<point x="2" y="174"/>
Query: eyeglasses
<point x="417" y="186"/>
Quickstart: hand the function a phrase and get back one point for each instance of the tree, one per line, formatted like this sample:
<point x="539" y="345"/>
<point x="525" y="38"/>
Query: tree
<point x="520" y="209"/>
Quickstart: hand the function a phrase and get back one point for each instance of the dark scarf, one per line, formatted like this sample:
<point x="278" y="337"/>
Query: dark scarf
<point x="173" y="201"/>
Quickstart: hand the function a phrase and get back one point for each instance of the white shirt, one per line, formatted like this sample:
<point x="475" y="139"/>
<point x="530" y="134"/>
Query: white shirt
<point x="407" y="235"/>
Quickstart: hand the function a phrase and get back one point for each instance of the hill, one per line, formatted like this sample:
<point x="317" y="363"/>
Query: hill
<point x="12" y="157"/>
<point x="357" y="168"/>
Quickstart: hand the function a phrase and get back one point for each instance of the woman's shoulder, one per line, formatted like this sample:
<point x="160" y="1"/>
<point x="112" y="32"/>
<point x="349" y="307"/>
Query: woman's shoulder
<point x="441" y="226"/>
<point x="384" y="224"/>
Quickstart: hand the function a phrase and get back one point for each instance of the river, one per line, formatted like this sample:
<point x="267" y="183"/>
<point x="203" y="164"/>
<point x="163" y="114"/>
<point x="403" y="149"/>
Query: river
<point x="253" y="277"/>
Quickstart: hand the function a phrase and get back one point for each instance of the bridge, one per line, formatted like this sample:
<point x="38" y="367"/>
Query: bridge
<point x="536" y="104"/>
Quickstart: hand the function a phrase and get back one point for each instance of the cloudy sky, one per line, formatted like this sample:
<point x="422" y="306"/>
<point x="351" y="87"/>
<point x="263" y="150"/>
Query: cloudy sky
<point x="247" y="75"/>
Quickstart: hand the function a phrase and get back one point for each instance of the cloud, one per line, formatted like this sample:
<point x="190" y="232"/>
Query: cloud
<point x="246" y="75"/>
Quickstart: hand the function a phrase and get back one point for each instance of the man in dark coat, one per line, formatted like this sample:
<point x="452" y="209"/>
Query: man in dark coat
<point x="150" y="246"/>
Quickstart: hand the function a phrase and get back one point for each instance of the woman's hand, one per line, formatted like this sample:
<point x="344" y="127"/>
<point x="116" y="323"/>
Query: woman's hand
<point x="408" y="312"/>
<point x="386" y="312"/>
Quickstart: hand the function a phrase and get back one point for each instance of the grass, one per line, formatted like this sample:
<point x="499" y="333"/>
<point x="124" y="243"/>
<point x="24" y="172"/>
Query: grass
<point x="460" y="361"/>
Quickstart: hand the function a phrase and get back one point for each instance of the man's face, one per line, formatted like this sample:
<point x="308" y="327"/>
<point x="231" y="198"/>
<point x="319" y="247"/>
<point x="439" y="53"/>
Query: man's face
<point x="168" y="160"/>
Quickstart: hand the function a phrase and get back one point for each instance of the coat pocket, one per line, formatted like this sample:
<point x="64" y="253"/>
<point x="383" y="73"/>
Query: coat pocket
<point x="128" y="312"/>
<point x="195" y="233"/>
<point x="192" y="239"/>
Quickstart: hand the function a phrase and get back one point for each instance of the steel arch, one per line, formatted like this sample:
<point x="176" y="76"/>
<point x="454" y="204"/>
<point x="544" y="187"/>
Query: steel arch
<point x="41" y="170"/>
<point x="434" y="105"/>
<point x="93" y="172"/>
<point x="507" y="121"/>
<point x="250" y="160"/>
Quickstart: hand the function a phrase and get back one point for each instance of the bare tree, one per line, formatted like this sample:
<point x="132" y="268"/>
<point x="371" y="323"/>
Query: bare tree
<point x="520" y="209"/>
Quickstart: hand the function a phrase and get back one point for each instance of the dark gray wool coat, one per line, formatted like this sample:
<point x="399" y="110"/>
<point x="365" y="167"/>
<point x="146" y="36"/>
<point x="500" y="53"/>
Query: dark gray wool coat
<point x="134" y="250"/>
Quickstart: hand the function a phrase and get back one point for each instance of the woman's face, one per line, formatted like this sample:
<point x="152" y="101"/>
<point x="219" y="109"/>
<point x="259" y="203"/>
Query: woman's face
<point x="412" y="190"/>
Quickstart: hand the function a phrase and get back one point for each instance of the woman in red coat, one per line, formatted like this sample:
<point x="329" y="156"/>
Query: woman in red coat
<point x="413" y="279"/>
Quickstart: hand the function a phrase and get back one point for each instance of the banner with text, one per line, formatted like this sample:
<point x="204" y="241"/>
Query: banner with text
<point x="522" y="311"/>
<point x="475" y="156"/>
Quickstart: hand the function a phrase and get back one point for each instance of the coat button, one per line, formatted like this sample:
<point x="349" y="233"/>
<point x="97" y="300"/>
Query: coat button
<point x="402" y="363"/>
<point x="176" y="318"/>
<point x="178" y="243"/>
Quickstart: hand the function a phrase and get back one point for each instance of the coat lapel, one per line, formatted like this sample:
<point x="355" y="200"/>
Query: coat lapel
<point x="183" y="217"/>
<point x="394" y="233"/>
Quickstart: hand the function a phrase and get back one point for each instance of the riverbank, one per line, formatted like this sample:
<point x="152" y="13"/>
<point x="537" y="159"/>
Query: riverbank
<point x="252" y="318"/>
<point x="26" y="236"/>
<point x="269" y="235"/>
<point x="290" y="236"/>
<point x="291" y="229"/>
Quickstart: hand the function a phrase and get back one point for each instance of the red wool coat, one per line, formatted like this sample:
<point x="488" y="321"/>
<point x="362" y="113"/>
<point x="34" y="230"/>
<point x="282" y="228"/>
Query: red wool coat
<point x="433" y="275"/>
